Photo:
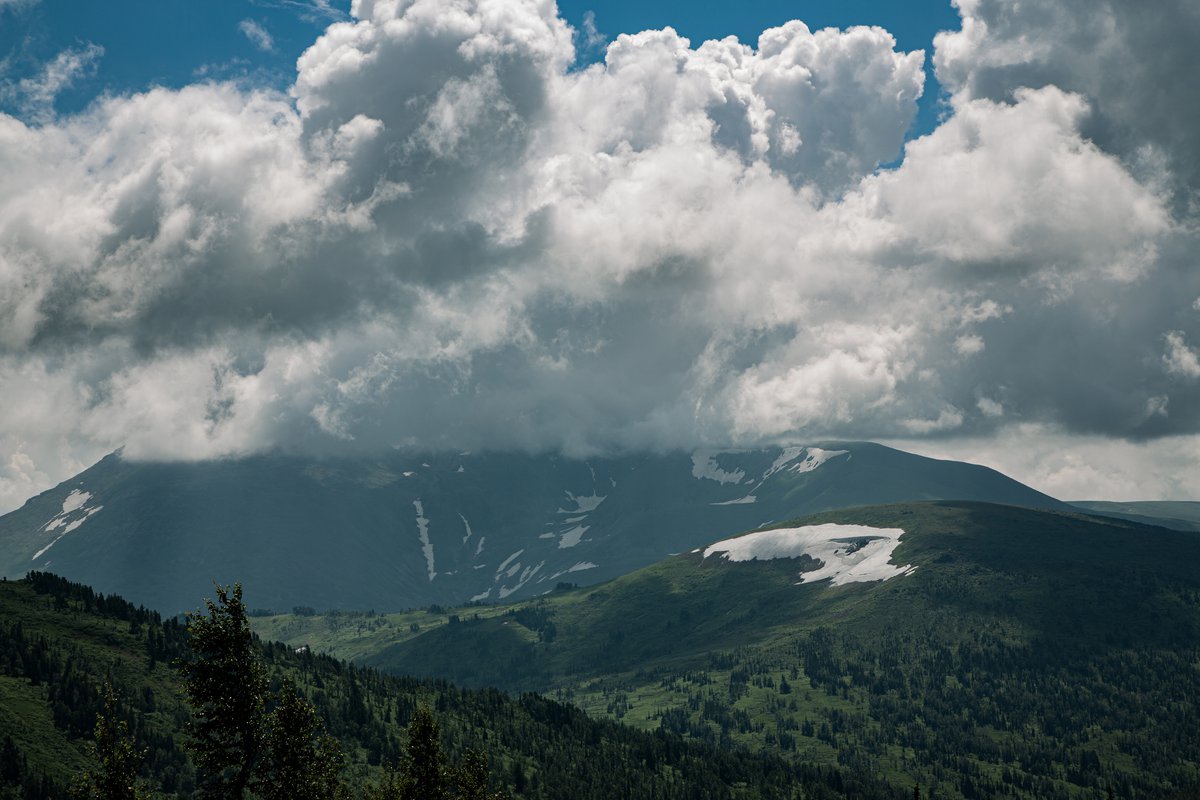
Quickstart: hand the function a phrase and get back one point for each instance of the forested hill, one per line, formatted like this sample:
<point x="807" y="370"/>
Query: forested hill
<point x="59" y="640"/>
<point x="1009" y="652"/>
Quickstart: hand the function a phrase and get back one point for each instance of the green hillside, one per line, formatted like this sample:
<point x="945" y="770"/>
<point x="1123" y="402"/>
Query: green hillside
<point x="59" y="640"/>
<point x="1030" y="654"/>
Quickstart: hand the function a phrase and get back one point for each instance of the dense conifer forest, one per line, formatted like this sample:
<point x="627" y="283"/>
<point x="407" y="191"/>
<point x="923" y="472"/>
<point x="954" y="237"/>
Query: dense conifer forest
<point x="59" y="641"/>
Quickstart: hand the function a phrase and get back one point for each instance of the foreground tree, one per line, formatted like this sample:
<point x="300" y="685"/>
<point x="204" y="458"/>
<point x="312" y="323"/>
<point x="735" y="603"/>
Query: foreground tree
<point x="300" y="761"/>
<point x="226" y="685"/>
<point x="239" y="746"/>
<point x="471" y="778"/>
<point x="120" y="760"/>
<point x="425" y="763"/>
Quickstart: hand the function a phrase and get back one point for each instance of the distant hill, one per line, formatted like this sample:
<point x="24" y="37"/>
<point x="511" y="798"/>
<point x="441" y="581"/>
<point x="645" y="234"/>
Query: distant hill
<point x="411" y="530"/>
<point x="1180" y="515"/>
<point x="59" y="641"/>
<point x="980" y="650"/>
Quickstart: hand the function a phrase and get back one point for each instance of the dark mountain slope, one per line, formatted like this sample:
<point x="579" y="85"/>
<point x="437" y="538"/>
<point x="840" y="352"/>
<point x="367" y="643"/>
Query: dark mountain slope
<point x="408" y="530"/>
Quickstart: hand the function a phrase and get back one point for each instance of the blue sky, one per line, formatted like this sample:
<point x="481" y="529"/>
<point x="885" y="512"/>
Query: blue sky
<point x="176" y="42"/>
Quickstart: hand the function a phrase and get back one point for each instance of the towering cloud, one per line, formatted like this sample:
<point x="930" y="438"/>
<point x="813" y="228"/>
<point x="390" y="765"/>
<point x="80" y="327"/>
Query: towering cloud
<point x="449" y="235"/>
<point x="1135" y="64"/>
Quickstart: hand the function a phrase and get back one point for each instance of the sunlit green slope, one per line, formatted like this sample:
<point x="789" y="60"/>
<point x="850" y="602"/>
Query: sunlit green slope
<point x="1035" y="653"/>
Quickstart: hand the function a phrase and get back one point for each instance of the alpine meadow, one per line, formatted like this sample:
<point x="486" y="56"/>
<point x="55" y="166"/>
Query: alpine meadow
<point x="551" y="400"/>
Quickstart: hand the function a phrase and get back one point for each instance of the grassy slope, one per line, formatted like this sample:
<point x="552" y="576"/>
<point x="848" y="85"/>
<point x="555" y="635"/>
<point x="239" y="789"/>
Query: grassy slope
<point x="96" y="645"/>
<point x="1001" y="596"/>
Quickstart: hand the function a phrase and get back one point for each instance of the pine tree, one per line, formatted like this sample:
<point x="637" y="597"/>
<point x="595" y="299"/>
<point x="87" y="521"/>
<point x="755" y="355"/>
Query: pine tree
<point x="116" y="779"/>
<point x="425" y="775"/>
<point x="300" y="761"/>
<point x="226" y="686"/>
<point x="471" y="778"/>
<point x="391" y="788"/>
<point x="425" y="764"/>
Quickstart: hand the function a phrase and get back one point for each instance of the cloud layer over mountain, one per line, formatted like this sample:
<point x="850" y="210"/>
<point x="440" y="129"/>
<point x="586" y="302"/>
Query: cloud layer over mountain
<point x="450" y="235"/>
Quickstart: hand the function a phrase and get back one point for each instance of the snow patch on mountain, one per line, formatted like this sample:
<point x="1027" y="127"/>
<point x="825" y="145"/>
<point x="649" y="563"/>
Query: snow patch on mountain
<point x="572" y="537"/>
<point x="578" y="567"/>
<point x="738" y="502"/>
<point x="786" y="457"/>
<point x="504" y="564"/>
<point x="423" y="532"/>
<point x="815" y="458"/>
<point x="570" y="532"/>
<point x="583" y="503"/>
<point x="705" y="466"/>
<point x="74" y="513"/>
<point x="53" y="542"/>
<point x="76" y="499"/>
<point x="848" y="553"/>
<point x="466" y="525"/>
<point x="526" y="576"/>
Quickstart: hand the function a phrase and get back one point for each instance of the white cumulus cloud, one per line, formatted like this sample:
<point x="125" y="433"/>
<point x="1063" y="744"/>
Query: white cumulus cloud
<point x="446" y="235"/>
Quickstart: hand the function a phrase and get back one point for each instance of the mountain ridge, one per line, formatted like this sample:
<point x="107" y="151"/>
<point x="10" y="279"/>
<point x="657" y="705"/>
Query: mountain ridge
<point x="412" y="529"/>
<point x="1180" y="515"/>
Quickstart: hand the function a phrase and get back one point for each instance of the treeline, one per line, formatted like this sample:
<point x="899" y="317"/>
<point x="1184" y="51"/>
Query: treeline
<point x="61" y="642"/>
<point x="65" y="673"/>
<point x="1043" y="718"/>
<point x="967" y="713"/>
